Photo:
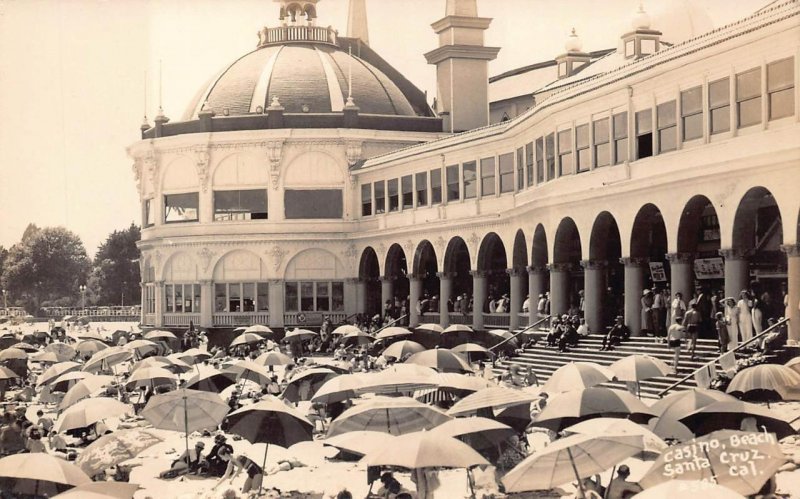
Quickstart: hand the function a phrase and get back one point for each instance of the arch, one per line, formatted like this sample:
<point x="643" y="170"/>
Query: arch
<point x="239" y="265"/>
<point x="368" y="266"/>
<point x="314" y="169"/>
<point x="457" y="263"/>
<point x="179" y="174"/>
<point x="604" y="242"/>
<point x="240" y="169"/>
<point x="519" y="257"/>
<point x="180" y="267"/>
<point x="396" y="267"/>
<point x="698" y="228"/>
<point x="310" y="11"/>
<point x="605" y="247"/>
<point x="539" y="252"/>
<point x="314" y="264"/>
<point x="369" y="272"/>
<point x="426" y="267"/>
<point x="649" y="234"/>
<point x="567" y="245"/>
<point x="757" y="220"/>
<point x="492" y="253"/>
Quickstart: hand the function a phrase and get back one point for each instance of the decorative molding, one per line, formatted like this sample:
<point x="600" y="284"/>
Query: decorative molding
<point x="274" y="150"/>
<point x="679" y="257"/>
<point x="408" y="247"/>
<point x="559" y="267"/>
<point x="791" y="250"/>
<point x="382" y="249"/>
<point x="634" y="261"/>
<point x="205" y="255"/>
<point x="151" y="166"/>
<point x="275" y="282"/>
<point x="515" y="271"/>
<point x="206" y="282"/>
<point x="354" y="150"/>
<point x="350" y="252"/>
<point x="536" y="269"/>
<point x="440" y="245"/>
<point x="385" y="278"/>
<point x="474" y="242"/>
<point x="445" y="275"/>
<point x="277" y="254"/>
<point x="478" y="273"/>
<point x="202" y="156"/>
<point x="734" y="253"/>
<point x="594" y="264"/>
<point x="137" y="174"/>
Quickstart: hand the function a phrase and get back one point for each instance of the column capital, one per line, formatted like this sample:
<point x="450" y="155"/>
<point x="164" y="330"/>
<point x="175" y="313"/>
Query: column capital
<point x="594" y="264"/>
<point x="791" y="250"/>
<point x="445" y="275"/>
<point x="634" y="261"/>
<point x="206" y="282"/>
<point x="679" y="257"/>
<point x="352" y="280"/>
<point x="559" y="267"/>
<point x="515" y="271"/>
<point x="536" y="269"/>
<point x="478" y="273"/>
<point x="734" y="253"/>
<point x="159" y="284"/>
<point x="415" y="277"/>
<point x="385" y="278"/>
<point x="275" y="282"/>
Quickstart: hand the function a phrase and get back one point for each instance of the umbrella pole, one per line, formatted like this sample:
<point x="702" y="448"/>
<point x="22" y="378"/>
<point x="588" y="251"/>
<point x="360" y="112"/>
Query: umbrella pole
<point x="471" y="485"/>
<point x="263" y="469"/>
<point x="577" y="476"/>
<point x="613" y="470"/>
<point x="186" y="423"/>
<point x="713" y="473"/>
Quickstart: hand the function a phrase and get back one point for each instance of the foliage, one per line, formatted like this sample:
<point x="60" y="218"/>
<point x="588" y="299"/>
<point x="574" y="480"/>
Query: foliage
<point x="115" y="276"/>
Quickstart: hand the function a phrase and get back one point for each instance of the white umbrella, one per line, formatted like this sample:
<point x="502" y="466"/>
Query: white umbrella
<point x="90" y="411"/>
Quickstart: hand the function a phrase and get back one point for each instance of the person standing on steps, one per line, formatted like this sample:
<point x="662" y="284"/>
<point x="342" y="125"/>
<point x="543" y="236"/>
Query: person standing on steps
<point x="691" y="321"/>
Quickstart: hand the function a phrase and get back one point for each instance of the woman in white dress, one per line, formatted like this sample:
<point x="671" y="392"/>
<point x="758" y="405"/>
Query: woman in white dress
<point x="732" y="320"/>
<point x="677" y="309"/>
<point x="745" y="306"/>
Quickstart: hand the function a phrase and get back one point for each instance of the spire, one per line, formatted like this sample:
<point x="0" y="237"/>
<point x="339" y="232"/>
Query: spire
<point x="357" y="26"/>
<point x="465" y="8"/>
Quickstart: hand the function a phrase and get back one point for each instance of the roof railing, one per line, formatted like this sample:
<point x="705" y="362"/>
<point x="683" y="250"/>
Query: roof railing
<point x="284" y="34"/>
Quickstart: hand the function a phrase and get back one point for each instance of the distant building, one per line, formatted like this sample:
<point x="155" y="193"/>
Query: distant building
<point x="310" y="178"/>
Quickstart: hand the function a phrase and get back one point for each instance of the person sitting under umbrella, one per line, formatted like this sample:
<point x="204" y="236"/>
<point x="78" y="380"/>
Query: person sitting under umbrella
<point x="620" y="487"/>
<point x="254" y="473"/>
<point x="219" y="455"/>
<point x="191" y="461"/>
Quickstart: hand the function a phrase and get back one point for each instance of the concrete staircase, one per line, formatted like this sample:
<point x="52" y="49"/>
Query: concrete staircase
<point x="545" y="360"/>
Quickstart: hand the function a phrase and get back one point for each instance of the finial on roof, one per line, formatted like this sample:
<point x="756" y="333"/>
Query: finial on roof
<point x="641" y="20"/>
<point x="573" y="43"/>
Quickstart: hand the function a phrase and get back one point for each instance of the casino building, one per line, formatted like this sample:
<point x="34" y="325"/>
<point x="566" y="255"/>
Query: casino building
<point x="310" y="178"/>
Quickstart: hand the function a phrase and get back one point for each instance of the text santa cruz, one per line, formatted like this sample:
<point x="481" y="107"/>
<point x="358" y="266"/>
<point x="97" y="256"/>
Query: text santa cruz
<point x="737" y="454"/>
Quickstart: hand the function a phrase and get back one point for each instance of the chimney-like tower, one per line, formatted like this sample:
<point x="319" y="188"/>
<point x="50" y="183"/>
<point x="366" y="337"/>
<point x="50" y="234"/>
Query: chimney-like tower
<point x="462" y="66"/>
<point x="357" y="21"/>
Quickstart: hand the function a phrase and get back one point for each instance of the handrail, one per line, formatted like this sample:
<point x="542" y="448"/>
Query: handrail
<point x="754" y="338"/>
<point x="392" y="323"/>
<point x="520" y="332"/>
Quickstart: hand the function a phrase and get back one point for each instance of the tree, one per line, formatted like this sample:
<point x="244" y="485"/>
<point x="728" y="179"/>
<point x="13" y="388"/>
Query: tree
<point x="47" y="265"/>
<point x="116" y="269"/>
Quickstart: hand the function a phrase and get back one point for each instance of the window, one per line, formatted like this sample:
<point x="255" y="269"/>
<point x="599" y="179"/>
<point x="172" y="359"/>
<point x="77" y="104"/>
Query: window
<point x="290" y="296"/>
<point x="692" y="113"/>
<point x="602" y="140"/>
<point x="520" y="169"/>
<point x="149" y="213"/>
<point x="487" y="177"/>
<point x="436" y="186"/>
<point x="407" y="185"/>
<point x="306" y="296"/>
<point x="644" y="134"/>
<point x="181" y="207"/>
<point x="565" y="152"/>
<point x="240" y="205"/>
<point x="620" y="122"/>
<point x="470" y="180"/>
<point x="780" y="88"/>
<point x="719" y="103"/>
<point x="366" y="200"/>
<point x="507" y="173"/>
<point x="422" y="188"/>
<point x="748" y="97"/>
<point x="380" y="197"/>
<point x="529" y="162"/>
<point x="149" y="299"/>
<point x="310" y="204"/>
<point x="550" y="146"/>
<point x="240" y="297"/>
<point x="314" y="296"/>
<point x="667" y="127"/>
<point x="453" y="191"/>
<point x="262" y="296"/>
<point x="539" y="160"/>
<point x="394" y="195"/>
<point x="582" y="152"/>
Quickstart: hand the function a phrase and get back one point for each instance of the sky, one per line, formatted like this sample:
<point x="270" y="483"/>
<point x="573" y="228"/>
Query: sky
<point x="75" y="76"/>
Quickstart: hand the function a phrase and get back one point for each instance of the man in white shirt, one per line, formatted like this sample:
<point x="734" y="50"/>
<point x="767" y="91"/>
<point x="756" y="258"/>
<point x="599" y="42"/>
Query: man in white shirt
<point x="526" y="305"/>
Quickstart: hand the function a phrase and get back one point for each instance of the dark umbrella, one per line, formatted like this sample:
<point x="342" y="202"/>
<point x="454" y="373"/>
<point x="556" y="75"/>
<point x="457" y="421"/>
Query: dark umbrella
<point x="729" y="416"/>
<point x="316" y="377"/>
<point x="209" y="381"/>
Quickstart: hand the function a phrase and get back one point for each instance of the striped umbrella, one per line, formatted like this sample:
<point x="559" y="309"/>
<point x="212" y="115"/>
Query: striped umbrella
<point x="495" y="397"/>
<point x="39" y="474"/>
<point x="55" y="371"/>
<point x="397" y="380"/>
<point x="402" y="348"/>
<point x="577" y="376"/>
<point x="566" y="409"/>
<point x="394" y="415"/>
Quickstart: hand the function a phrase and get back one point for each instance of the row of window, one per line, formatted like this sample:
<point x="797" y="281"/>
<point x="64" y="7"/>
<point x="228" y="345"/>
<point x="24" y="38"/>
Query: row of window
<point x="241" y="297"/>
<point x="600" y="143"/>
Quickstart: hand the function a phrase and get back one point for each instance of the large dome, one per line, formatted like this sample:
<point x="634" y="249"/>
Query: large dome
<point x="305" y="78"/>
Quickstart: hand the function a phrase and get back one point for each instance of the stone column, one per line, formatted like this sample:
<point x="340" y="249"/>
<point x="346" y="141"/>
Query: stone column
<point x="276" y="305"/>
<point x="351" y="298"/>
<point x="445" y="290"/>
<point x="159" y="303"/>
<point x="143" y="301"/>
<point x="634" y="285"/>
<point x="361" y="294"/>
<point x="594" y="286"/>
<point x="682" y="276"/>
<point x="793" y="288"/>
<point x="517" y="296"/>
<point x="559" y="288"/>
<point x="206" y="302"/>
<point x="414" y="292"/>
<point x="737" y="271"/>
<point x="387" y="291"/>
<point x="478" y="297"/>
<point x="536" y="286"/>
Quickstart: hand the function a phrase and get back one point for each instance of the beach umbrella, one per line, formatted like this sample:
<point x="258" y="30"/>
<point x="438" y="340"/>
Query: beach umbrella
<point x="679" y="404"/>
<point x="360" y="442"/>
<point x="566" y="409"/>
<point x="90" y="347"/>
<point x="502" y="334"/>
<point x="240" y="329"/>
<point x="429" y="328"/>
<point x="101" y="490"/>
<point x="729" y="416"/>
<point x="576" y="376"/>
<point x="425" y="449"/>
<point x="639" y="368"/>
<point x="571" y="458"/>
<point x="473" y="351"/>
<point x="210" y="380"/>
<point x="457" y="328"/>
<point x="142" y="347"/>
<point x="272" y="422"/>
<point x="461" y="384"/>
<point x="346" y="328"/>
<point x="193" y="356"/>
<point x="339" y="388"/>
<point x="477" y="432"/>
<point x="25" y="347"/>
<point x="402" y="348"/>
<point x="395" y="415"/>
<point x="84" y="388"/>
<point x="274" y="359"/>
<point x="67" y="380"/>
<point x="173" y="365"/>
<point x="6" y="373"/>
<point x="441" y="359"/>
<point x="55" y="371"/>
<point x="740" y="461"/>
<point x="359" y="338"/>
<point x="684" y="488"/>
<point x="151" y="377"/>
<point x="392" y="332"/>
<point x="39" y="474"/>
<point x="114" y="448"/>
<point x="395" y="380"/>
<point x="247" y="370"/>
<point x="46" y="358"/>
<point x="299" y="334"/>
<point x="258" y="329"/>
<point x="159" y="334"/>
<point x="13" y="353"/>
<point x="495" y="397"/>
<point x="90" y="335"/>
<point x="68" y="318"/>
<point x="616" y="426"/>
<point x="64" y="351"/>
<point x="88" y="412"/>
<point x="313" y="378"/>
<point x="108" y="358"/>
<point x="766" y="380"/>
<point x="246" y="339"/>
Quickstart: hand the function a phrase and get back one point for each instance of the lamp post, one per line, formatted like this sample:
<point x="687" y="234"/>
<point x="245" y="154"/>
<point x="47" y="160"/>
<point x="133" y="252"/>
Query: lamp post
<point x="83" y="297"/>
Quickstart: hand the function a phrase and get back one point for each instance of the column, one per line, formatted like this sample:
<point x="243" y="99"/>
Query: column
<point x="445" y="290"/>
<point x="276" y="303"/>
<point x="737" y="271"/>
<point x="517" y="297"/>
<point x="594" y="286"/>
<point x="206" y="303"/>
<point x="634" y="285"/>
<point x="682" y="274"/>
<point x="414" y="293"/>
<point x="793" y="288"/>
<point x="351" y="297"/>
<point x="559" y="288"/>
<point x="478" y="297"/>
<point x="361" y="293"/>
<point x="143" y="309"/>
<point x="536" y="286"/>
<point x="159" y="303"/>
<point x="387" y="291"/>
